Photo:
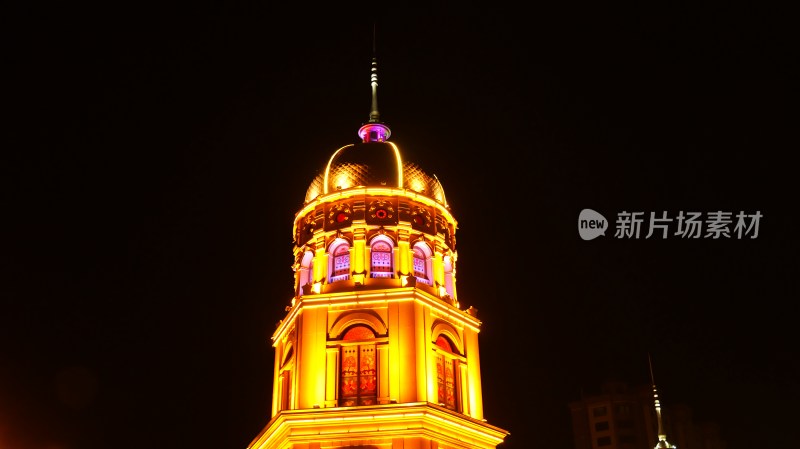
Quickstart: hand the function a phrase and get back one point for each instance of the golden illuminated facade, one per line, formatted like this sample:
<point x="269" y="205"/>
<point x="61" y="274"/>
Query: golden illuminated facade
<point x="375" y="350"/>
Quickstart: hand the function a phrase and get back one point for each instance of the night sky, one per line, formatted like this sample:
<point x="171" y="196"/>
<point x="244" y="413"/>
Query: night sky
<point x="155" y="156"/>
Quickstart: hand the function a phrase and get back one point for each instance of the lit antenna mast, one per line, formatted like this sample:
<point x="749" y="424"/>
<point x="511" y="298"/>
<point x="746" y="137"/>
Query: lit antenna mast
<point x="374" y="130"/>
<point x="662" y="437"/>
<point x="374" y="115"/>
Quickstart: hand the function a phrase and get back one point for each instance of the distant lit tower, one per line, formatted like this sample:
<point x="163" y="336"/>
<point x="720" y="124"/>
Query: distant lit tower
<point x="662" y="436"/>
<point x="623" y="417"/>
<point x="375" y="350"/>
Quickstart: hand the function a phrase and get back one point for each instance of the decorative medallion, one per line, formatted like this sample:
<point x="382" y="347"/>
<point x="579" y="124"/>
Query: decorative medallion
<point x="309" y="224"/>
<point x="340" y="214"/>
<point x="448" y="237"/>
<point x="421" y="219"/>
<point x="381" y="210"/>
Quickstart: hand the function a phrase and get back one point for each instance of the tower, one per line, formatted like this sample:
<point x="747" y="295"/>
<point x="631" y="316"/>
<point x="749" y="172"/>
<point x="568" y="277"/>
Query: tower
<point x="621" y="417"/>
<point x="375" y="350"/>
<point x="662" y="436"/>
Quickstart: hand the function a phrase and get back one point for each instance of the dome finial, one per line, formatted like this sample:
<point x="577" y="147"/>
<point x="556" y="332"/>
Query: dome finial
<point x="374" y="130"/>
<point x="374" y="115"/>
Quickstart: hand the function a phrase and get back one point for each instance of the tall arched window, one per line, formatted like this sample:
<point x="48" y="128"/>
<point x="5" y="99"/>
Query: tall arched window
<point x="341" y="262"/>
<point x="381" y="259"/>
<point x="448" y="276"/>
<point x="284" y="381"/>
<point x="422" y="268"/>
<point x="358" y="378"/>
<point x="306" y="275"/>
<point x="447" y="374"/>
<point x="285" y="385"/>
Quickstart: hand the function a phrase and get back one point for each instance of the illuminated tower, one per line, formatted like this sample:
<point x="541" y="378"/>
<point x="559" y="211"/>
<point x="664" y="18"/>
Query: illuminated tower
<point x="662" y="436"/>
<point x="375" y="350"/>
<point x="625" y="418"/>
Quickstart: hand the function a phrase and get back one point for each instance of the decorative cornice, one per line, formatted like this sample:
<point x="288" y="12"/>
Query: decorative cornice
<point x="373" y="298"/>
<point x="381" y="422"/>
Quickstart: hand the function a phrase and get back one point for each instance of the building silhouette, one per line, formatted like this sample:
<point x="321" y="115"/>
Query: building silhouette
<point x="623" y="417"/>
<point x="375" y="350"/>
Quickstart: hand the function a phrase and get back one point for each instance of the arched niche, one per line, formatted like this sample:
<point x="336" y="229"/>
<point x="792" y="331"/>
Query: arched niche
<point x="365" y="317"/>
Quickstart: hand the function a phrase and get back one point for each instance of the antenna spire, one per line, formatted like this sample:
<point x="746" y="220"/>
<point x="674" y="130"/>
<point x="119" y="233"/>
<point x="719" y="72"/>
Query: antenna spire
<point x="374" y="130"/>
<point x="662" y="437"/>
<point x="650" y="362"/>
<point x="374" y="115"/>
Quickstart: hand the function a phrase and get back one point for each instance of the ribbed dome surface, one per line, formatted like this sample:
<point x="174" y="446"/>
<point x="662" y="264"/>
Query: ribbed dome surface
<point x="373" y="164"/>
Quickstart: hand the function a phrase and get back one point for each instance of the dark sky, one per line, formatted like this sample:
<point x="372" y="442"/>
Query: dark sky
<point x="156" y="155"/>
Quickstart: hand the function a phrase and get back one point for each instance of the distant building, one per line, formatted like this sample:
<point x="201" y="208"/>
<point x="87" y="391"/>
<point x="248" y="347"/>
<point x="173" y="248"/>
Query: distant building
<point x="624" y="417"/>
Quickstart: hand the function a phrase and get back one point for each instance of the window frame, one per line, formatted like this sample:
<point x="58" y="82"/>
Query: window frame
<point x="448" y="263"/>
<point x="342" y="345"/>
<point x="381" y="273"/>
<point x="336" y="252"/>
<point x="424" y="277"/>
<point x="306" y="274"/>
<point x="444" y="357"/>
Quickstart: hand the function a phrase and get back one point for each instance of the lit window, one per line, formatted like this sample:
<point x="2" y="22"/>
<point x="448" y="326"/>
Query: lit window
<point x="421" y="261"/>
<point x="306" y="274"/>
<point x="341" y="263"/>
<point x="381" y="254"/>
<point x="358" y="378"/>
<point x="449" y="278"/>
<point x="446" y="374"/>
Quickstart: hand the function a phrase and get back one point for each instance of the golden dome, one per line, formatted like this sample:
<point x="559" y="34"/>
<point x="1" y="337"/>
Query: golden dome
<point x="373" y="164"/>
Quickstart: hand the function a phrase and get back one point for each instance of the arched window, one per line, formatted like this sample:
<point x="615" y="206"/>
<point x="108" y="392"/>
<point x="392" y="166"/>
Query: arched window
<point x="419" y="263"/>
<point x="422" y="262"/>
<point x="382" y="257"/>
<point x="285" y="385"/>
<point x="341" y="262"/>
<point x="358" y="378"/>
<point x="448" y="276"/>
<point x="306" y="275"/>
<point x="447" y="374"/>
